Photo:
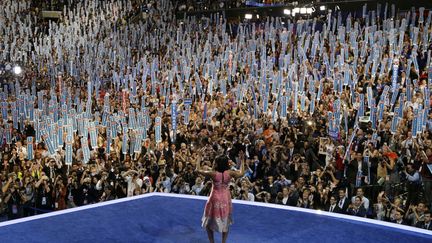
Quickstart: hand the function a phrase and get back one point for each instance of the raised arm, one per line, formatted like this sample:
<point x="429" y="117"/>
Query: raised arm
<point x="238" y="174"/>
<point x="198" y="167"/>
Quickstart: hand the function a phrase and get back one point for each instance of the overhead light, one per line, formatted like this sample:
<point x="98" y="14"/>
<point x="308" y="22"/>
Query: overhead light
<point x="17" y="70"/>
<point x="287" y="11"/>
<point x="296" y="10"/>
<point x="248" y="16"/>
<point x="322" y="8"/>
<point x="257" y="16"/>
<point x="309" y="10"/>
<point x="302" y="10"/>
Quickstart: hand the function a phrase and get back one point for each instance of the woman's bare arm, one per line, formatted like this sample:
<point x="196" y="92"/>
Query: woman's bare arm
<point x="198" y="167"/>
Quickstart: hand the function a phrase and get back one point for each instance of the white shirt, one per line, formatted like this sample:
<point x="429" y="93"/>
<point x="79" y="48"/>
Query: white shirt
<point x="251" y="197"/>
<point x="131" y="186"/>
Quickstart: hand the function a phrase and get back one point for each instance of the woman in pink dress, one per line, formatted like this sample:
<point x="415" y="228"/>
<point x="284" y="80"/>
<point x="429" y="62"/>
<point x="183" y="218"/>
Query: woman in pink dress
<point x="218" y="210"/>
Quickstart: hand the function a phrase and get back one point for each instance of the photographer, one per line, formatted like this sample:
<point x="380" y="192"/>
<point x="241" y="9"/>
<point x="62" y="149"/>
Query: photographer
<point x="108" y="194"/>
<point x="383" y="208"/>
<point x="59" y="194"/>
<point x="103" y="182"/>
<point x="14" y="199"/>
<point x="29" y="195"/>
<point x="43" y="195"/>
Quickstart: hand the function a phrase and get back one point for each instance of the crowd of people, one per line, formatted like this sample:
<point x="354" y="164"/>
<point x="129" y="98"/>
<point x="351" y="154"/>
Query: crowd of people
<point x="326" y="115"/>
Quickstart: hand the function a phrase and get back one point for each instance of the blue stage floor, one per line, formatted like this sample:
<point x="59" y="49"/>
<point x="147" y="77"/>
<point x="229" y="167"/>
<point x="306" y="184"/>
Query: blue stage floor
<point x="162" y="218"/>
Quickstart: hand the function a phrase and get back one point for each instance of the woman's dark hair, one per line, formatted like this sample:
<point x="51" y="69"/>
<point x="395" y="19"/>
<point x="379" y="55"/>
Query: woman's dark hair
<point x="221" y="163"/>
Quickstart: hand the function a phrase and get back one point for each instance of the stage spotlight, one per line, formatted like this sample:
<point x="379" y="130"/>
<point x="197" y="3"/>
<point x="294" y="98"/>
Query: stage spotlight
<point x="248" y="16"/>
<point x="17" y="70"/>
<point x="309" y="10"/>
<point x="302" y="10"/>
<point x="257" y="16"/>
<point x="323" y="8"/>
<point x="287" y="11"/>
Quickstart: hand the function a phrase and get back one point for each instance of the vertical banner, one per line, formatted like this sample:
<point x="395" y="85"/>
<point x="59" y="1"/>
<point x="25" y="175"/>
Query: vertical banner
<point x="284" y="107"/>
<point x="4" y="110"/>
<point x="380" y="111"/>
<point x="138" y="140"/>
<point x="38" y="134"/>
<point x="302" y="102"/>
<point x="30" y="148"/>
<point x="60" y="134"/>
<point x="108" y="144"/>
<point x="187" y="103"/>
<point x="346" y="122"/>
<point x="205" y="114"/>
<point x="48" y="142"/>
<point x="414" y="124"/>
<point x="174" y="120"/>
<point x="14" y="116"/>
<point x="362" y="108"/>
<point x="295" y="97"/>
<point x="8" y="133"/>
<point x="93" y="135"/>
<point x="85" y="149"/>
<point x="265" y="103"/>
<point x="68" y="152"/>
<point x="158" y="129"/>
<point x="124" y="100"/>
<point x="395" y="75"/>
<point x="373" y="116"/>
<point x="369" y="96"/>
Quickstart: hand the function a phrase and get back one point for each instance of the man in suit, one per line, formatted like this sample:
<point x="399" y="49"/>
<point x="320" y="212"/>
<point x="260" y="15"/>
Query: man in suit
<point x="426" y="224"/>
<point x="398" y="218"/>
<point x="357" y="209"/>
<point x="289" y="197"/>
<point x="365" y="200"/>
<point x="343" y="202"/>
<point x="333" y="207"/>
<point x="355" y="166"/>
<point x="291" y="151"/>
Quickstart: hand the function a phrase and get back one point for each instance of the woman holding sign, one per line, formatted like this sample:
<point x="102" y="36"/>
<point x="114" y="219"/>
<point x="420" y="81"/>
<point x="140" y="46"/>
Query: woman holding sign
<point x="218" y="209"/>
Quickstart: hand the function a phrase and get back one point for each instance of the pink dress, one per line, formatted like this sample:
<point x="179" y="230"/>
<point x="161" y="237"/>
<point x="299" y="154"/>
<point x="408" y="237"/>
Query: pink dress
<point x="218" y="209"/>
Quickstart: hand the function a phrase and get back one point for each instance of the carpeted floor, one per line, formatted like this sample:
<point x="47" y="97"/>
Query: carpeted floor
<point x="166" y="219"/>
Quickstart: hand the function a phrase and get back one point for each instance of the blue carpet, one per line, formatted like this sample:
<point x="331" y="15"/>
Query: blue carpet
<point x="165" y="219"/>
